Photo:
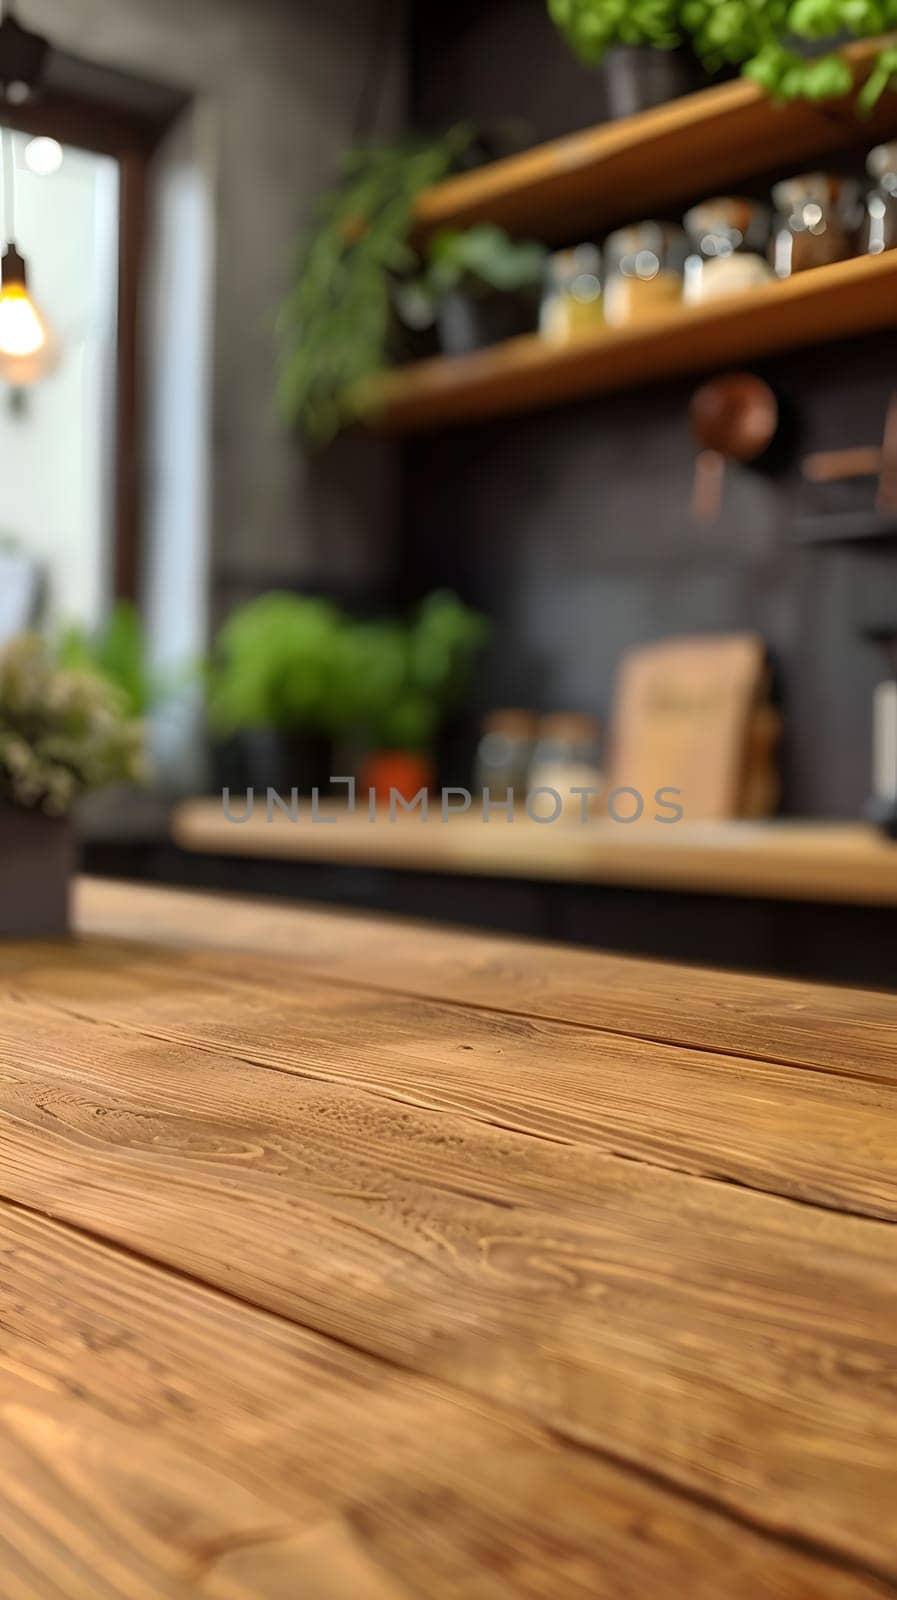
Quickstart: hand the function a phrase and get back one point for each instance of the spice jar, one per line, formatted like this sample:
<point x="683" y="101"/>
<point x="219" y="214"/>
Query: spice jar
<point x="817" y="222"/>
<point x="730" y="237"/>
<point x="643" y="272"/>
<point x="566" y="758"/>
<point x="505" y="751"/>
<point x="879" y="229"/>
<point x="572" y="301"/>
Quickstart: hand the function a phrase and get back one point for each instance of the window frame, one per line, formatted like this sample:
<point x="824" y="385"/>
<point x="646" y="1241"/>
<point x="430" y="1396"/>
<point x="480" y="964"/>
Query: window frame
<point x="98" y="122"/>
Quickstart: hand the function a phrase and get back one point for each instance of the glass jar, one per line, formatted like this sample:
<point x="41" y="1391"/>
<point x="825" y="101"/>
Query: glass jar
<point x="504" y="752"/>
<point x="566" y="757"/>
<point x="572" y="301"/>
<point x="879" y="228"/>
<point x="730" y="238"/>
<point x="643" y="271"/>
<point x="817" y="222"/>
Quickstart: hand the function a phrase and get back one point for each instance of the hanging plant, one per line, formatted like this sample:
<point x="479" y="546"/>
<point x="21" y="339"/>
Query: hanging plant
<point x="336" y="323"/>
<point x="761" y="37"/>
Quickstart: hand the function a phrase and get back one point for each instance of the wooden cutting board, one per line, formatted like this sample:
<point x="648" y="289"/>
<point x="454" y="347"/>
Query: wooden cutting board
<point x="683" y="718"/>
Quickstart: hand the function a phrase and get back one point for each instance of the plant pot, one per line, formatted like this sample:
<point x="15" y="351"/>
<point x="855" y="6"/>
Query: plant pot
<point x="469" y="322"/>
<point x="37" y="861"/>
<point x="401" y="770"/>
<point x="273" y="759"/>
<point x="637" y="77"/>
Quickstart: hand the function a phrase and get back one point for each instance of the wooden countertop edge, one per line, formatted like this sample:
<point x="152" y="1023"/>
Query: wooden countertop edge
<point x="840" y="863"/>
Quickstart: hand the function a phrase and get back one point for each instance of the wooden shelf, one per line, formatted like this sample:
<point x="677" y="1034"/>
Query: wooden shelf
<point x="526" y="374"/>
<point x="843" y="863"/>
<point x="619" y="171"/>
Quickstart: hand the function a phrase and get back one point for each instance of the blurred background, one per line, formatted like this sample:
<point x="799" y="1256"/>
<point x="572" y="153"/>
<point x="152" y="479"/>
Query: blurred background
<point x="379" y="400"/>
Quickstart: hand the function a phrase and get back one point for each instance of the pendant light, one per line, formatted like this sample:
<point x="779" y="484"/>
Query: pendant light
<point x="28" y="350"/>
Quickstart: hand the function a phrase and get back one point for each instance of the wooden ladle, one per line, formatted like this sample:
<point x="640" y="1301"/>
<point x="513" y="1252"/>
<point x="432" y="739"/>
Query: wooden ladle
<point x="733" y="418"/>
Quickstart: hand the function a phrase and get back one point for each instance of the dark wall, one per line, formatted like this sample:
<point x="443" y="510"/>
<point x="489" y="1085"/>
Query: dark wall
<point x="498" y="59"/>
<point x="572" y="528"/>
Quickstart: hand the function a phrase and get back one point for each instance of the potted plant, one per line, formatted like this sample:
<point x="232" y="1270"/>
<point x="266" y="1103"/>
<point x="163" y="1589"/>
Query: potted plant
<point x="478" y="285"/>
<point x="336" y="325"/>
<point x="409" y="677"/>
<point x="790" y="47"/>
<point x="63" y="732"/>
<point x="277" y="685"/>
<point x="638" y="43"/>
<point x="290" y="676"/>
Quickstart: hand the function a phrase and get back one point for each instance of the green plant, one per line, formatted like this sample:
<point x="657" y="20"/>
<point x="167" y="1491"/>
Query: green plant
<point x="334" y="327"/>
<point x="479" y="261"/>
<point x="288" y="662"/>
<point x="593" y="26"/>
<point x="119" y="654"/>
<point x="278" y="663"/>
<point x="409" y="675"/>
<point x="759" y="36"/>
<point x="62" y="731"/>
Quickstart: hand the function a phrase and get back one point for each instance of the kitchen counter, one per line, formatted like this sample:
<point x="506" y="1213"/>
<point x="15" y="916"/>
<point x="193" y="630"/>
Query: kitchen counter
<point x="842" y="863"/>
<point x="354" y="1260"/>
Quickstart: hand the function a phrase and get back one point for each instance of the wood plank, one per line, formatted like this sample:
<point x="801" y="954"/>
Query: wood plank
<point x="619" y="171"/>
<point x="80" y="1519"/>
<point x="153" y="1425"/>
<point x="831" y="1029"/>
<point x="531" y="373"/>
<point x="739" y="1346"/>
<point x="841" y="863"/>
<point x="823" y="1139"/>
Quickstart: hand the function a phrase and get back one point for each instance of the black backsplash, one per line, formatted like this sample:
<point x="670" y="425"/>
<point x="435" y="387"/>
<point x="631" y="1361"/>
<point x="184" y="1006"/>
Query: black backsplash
<point x="572" y="527"/>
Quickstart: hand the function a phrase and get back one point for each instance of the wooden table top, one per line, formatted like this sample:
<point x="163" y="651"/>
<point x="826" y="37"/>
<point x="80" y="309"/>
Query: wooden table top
<point x="841" y="862"/>
<point x="343" y="1259"/>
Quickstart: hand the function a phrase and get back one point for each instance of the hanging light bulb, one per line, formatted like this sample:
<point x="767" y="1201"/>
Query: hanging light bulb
<point x="28" y="351"/>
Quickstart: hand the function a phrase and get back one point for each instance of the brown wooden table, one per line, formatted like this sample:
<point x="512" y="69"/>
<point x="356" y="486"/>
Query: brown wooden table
<point x="345" y="1260"/>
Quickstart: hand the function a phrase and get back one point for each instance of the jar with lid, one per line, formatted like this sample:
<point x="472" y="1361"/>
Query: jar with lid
<point x="643" y="271"/>
<point x="879" y="229"/>
<point x="572" y="301"/>
<point x="817" y="222"/>
<point x="504" y="752"/>
<point x="730" y="239"/>
<point x="566" y="757"/>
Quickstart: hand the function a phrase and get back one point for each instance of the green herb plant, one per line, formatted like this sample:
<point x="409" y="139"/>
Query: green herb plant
<point x="477" y="261"/>
<point x="335" y="325"/>
<point x="761" y="37"/>
<point x="278" y="663"/>
<point x="63" y="731"/>
<point x="409" y="675"/>
<point x="297" y="664"/>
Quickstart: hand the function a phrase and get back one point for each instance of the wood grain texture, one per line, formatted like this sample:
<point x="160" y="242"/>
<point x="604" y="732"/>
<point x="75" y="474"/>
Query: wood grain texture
<point x="95" y="1511"/>
<point x="841" y="863"/>
<point x="349" y="1260"/>
<point x="830" y="1140"/>
<point x="213" y="1446"/>
<point x="738" y="1346"/>
<point x="831" y="1029"/>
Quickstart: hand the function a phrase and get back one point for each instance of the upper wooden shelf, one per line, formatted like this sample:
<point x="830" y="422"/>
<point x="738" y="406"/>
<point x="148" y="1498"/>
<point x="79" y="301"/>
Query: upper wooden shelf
<point x="527" y="374"/>
<point x="619" y="171"/>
